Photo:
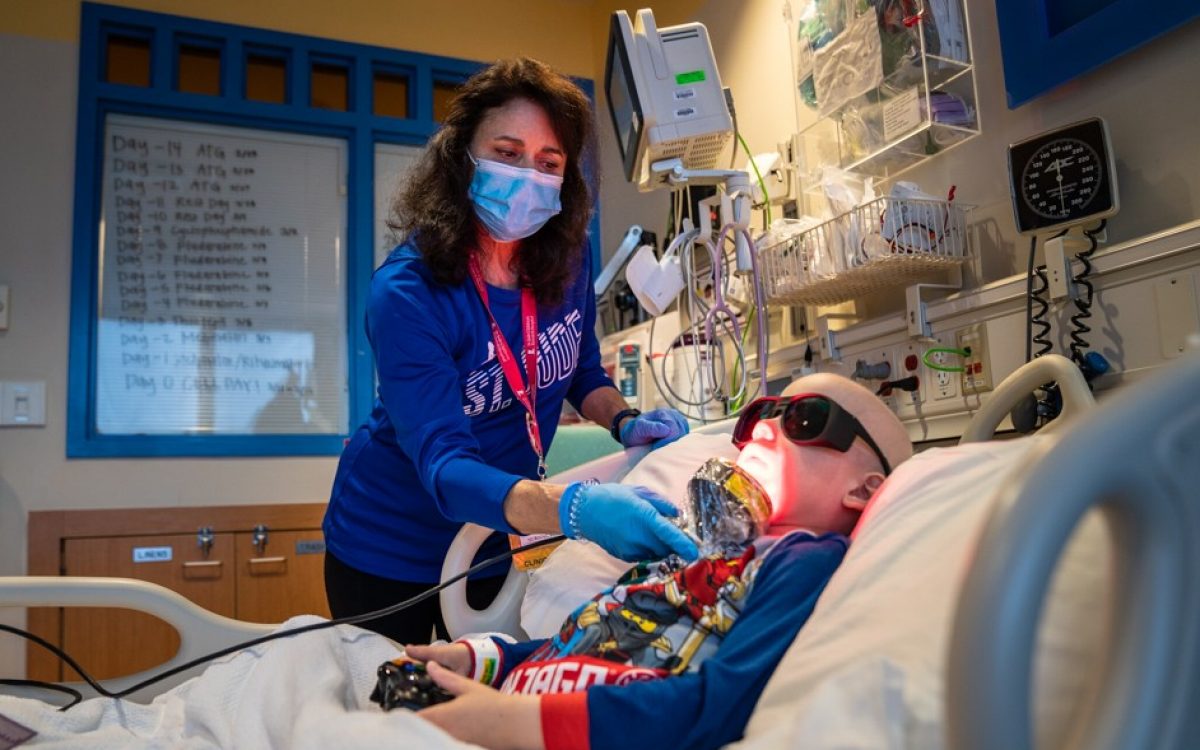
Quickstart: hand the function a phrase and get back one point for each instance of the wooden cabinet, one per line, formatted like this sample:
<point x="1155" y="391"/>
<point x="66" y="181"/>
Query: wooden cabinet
<point x="277" y="578"/>
<point x="255" y="563"/>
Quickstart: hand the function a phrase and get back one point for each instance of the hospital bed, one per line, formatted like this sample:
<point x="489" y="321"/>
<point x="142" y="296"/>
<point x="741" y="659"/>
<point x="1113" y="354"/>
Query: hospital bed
<point x="978" y="683"/>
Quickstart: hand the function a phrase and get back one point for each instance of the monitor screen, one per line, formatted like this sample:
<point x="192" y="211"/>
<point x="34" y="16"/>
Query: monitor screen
<point x="621" y="92"/>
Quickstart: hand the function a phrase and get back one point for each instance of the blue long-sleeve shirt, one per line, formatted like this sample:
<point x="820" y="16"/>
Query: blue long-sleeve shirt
<point x="706" y="707"/>
<point x="446" y="439"/>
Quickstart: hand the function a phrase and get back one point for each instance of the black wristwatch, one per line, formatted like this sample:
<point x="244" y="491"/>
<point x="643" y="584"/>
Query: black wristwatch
<point x="614" y="428"/>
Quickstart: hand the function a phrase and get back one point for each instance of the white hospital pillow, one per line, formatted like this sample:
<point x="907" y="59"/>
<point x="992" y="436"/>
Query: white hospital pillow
<point x="868" y="669"/>
<point x="577" y="571"/>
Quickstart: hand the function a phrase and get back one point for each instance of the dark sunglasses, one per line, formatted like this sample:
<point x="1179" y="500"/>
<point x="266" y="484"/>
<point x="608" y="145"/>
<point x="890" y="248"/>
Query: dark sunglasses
<point x="807" y="419"/>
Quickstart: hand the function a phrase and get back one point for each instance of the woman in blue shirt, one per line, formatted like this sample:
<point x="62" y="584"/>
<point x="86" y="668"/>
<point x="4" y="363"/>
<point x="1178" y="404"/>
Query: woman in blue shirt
<point x="488" y="291"/>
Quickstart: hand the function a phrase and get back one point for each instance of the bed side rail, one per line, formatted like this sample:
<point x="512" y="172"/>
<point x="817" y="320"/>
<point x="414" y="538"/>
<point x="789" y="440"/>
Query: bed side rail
<point x="200" y="631"/>
<point x="1136" y="459"/>
<point x="1077" y="397"/>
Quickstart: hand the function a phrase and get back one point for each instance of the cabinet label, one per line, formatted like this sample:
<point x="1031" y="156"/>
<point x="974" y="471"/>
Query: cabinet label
<point x="310" y="547"/>
<point x="152" y="554"/>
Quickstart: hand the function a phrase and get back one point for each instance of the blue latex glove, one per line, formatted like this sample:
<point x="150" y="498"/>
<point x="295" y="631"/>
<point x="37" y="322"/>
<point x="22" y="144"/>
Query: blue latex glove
<point x="628" y="522"/>
<point x="655" y="428"/>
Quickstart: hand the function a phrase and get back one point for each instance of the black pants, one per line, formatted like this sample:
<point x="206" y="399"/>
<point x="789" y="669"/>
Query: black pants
<point x="353" y="592"/>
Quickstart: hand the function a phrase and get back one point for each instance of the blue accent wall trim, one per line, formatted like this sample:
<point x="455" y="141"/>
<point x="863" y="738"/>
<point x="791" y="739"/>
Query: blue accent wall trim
<point x="1045" y="43"/>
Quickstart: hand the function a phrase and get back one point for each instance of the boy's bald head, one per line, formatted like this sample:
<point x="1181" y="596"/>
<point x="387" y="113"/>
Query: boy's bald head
<point x="815" y="486"/>
<point x="872" y="413"/>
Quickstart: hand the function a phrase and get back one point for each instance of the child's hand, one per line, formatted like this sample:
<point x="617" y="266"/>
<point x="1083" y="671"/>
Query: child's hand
<point x="453" y="656"/>
<point x="484" y="716"/>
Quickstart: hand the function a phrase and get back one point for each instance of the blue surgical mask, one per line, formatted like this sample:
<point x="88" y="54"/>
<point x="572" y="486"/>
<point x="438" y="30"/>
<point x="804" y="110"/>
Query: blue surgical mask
<point x="513" y="203"/>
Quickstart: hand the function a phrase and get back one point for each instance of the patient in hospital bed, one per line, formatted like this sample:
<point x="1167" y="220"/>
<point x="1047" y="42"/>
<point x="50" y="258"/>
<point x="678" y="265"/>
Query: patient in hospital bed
<point x="677" y="654"/>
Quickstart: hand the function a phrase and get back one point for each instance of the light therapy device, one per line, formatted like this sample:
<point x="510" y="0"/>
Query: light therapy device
<point x="665" y="98"/>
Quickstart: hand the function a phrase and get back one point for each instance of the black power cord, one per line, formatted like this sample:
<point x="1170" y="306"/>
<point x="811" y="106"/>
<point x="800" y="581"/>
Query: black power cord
<point x="1083" y="302"/>
<point x="351" y="620"/>
<point x="1032" y="412"/>
<point x="1035" y="295"/>
<point x="1038" y="317"/>
<point x="1029" y="300"/>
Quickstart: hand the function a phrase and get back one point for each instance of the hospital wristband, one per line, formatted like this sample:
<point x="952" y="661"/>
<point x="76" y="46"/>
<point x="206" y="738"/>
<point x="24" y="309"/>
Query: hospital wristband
<point x="487" y="660"/>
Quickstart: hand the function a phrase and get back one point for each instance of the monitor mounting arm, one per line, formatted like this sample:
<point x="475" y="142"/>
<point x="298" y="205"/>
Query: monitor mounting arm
<point x="736" y="184"/>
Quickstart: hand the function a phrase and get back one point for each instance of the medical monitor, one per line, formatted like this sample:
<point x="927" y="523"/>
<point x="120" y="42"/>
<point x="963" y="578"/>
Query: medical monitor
<point x="664" y="95"/>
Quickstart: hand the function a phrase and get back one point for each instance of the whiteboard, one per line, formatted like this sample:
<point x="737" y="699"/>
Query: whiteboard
<point x="222" y="282"/>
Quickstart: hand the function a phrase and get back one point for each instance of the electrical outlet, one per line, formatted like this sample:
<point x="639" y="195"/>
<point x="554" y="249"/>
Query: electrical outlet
<point x="977" y="371"/>
<point x="943" y="384"/>
<point x="908" y="365"/>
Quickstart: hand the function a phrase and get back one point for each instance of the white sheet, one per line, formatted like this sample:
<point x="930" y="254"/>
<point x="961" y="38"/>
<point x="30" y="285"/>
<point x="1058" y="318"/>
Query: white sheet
<point x="309" y="691"/>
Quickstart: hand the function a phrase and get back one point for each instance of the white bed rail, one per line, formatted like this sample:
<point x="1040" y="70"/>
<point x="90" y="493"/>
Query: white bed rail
<point x="1077" y="397"/>
<point x="1136" y="459"/>
<point x="200" y="631"/>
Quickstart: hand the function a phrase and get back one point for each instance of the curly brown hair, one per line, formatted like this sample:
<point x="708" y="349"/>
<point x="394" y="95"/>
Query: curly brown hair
<point x="434" y="208"/>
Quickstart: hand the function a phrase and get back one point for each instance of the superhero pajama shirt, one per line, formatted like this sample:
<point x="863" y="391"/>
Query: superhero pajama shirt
<point x="674" y="655"/>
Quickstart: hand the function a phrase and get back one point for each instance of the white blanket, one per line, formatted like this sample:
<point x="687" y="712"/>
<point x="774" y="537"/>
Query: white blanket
<point x="308" y="691"/>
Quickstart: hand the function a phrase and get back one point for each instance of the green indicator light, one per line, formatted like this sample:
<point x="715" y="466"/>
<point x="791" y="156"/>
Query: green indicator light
<point x="694" y="77"/>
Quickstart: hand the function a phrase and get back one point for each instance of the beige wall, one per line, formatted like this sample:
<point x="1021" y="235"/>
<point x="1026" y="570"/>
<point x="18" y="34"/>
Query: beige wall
<point x="1147" y="97"/>
<point x="470" y="30"/>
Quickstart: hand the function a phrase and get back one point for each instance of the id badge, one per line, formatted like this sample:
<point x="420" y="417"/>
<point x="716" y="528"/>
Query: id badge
<point x="531" y="559"/>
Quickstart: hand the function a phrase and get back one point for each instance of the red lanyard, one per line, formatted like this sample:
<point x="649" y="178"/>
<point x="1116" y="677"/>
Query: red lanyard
<point x="508" y="363"/>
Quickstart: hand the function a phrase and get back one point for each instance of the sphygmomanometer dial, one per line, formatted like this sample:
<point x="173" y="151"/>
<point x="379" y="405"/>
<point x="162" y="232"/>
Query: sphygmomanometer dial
<point x="1062" y="177"/>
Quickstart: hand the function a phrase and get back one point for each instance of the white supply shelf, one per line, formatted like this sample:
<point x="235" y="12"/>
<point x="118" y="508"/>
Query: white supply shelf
<point x="889" y="93"/>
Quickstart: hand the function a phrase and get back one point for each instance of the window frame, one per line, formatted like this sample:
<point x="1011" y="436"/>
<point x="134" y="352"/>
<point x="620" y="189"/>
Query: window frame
<point x="358" y="126"/>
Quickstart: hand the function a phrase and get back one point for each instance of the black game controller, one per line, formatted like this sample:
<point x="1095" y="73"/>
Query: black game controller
<point x="406" y="683"/>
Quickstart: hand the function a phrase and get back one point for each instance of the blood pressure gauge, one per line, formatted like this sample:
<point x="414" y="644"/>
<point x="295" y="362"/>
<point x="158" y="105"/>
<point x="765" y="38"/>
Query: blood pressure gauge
<point x="1063" y="177"/>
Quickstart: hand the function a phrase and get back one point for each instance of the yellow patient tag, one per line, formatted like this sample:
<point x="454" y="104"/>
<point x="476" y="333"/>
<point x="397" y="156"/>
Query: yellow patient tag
<point x="531" y="559"/>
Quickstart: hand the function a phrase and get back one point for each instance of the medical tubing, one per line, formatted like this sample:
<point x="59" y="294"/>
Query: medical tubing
<point x="687" y="263"/>
<point x="719" y="307"/>
<point x="1083" y="301"/>
<point x="761" y="183"/>
<point x="735" y="405"/>
<point x="944" y="350"/>
<point x="759" y="300"/>
<point x="351" y="620"/>
<point x="710" y="313"/>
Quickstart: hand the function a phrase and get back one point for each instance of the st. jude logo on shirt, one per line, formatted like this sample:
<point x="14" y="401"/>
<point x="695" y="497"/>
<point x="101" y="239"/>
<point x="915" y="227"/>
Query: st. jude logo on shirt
<point x="558" y="354"/>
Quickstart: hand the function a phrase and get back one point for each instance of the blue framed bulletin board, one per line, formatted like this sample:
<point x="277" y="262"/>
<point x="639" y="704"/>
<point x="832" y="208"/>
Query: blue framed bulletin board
<point x="1045" y="43"/>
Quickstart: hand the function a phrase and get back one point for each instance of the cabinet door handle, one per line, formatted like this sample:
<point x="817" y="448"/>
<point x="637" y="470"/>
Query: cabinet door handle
<point x="265" y="560"/>
<point x="202" y="569"/>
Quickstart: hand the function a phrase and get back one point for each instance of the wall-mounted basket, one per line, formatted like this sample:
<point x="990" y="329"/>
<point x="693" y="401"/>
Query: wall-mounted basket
<point x="882" y="244"/>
